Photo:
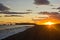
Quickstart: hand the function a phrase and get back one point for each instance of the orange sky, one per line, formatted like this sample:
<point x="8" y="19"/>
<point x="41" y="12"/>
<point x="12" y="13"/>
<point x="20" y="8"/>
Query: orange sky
<point x="47" y="20"/>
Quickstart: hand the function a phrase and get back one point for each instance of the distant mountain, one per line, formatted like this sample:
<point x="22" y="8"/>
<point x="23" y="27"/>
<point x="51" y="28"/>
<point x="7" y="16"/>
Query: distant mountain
<point x="25" y="24"/>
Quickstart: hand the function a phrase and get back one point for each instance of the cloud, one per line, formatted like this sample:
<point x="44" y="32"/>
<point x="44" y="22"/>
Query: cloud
<point x="12" y="15"/>
<point x="28" y="10"/>
<point x="57" y="8"/>
<point x="59" y="11"/>
<point x="55" y="15"/>
<point x="16" y="12"/>
<point x="3" y="7"/>
<point x="41" y="2"/>
<point x="53" y="8"/>
<point x="51" y="5"/>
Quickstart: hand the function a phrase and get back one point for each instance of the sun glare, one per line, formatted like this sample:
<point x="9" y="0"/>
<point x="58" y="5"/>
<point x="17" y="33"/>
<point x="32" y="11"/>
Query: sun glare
<point x="49" y="23"/>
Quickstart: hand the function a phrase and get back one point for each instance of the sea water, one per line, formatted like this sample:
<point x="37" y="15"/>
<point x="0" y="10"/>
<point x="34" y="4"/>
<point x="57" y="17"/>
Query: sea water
<point x="8" y="30"/>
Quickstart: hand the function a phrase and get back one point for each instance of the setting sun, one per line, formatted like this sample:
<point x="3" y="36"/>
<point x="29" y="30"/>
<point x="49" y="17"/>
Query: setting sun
<point x="49" y="23"/>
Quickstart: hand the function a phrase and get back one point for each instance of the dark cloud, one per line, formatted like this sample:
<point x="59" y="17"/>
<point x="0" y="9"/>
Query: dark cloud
<point x="28" y="10"/>
<point x="41" y="2"/>
<point x="15" y="12"/>
<point x="3" y="7"/>
<point x="55" y="15"/>
<point x="56" y="8"/>
<point x="12" y="15"/>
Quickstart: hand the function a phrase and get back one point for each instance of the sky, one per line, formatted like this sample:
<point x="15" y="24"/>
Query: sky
<point x="34" y="5"/>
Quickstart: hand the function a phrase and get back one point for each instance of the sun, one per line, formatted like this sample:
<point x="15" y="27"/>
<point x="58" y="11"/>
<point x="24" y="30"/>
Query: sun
<point x="49" y="23"/>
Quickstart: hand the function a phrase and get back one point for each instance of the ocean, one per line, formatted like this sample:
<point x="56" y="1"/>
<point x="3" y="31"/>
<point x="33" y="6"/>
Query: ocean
<point x="8" y="30"/>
